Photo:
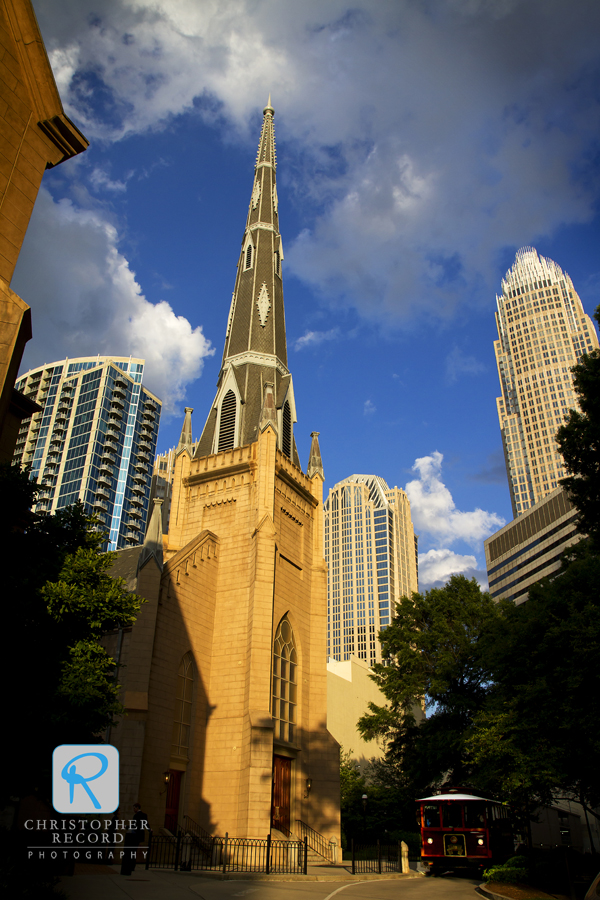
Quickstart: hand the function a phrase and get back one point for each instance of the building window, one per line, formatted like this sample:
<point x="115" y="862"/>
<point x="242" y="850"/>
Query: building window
<point x="227" y="423"/>
<point x="286" y="437"/>
<point x="248" y="259"/>
<point x="180" y="743"/>
<point x="285" y="680"/>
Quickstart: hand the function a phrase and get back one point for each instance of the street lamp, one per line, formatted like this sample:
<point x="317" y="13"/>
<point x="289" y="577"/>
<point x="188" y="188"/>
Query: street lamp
<point x="364" y="806"/>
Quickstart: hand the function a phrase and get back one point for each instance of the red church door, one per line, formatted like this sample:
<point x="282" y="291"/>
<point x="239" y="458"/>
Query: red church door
<point x="280" y="804"/>
<point x="172" y="807"/>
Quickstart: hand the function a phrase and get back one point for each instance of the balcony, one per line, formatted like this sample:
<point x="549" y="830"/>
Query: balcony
<point x="115" y="415"/>
<point x="137" y="513"/>
<point x="100" y="504"/>
<point x="105" y="481"/>
<point x="143" y="456"/>
<point x="101" y="491"/>
<point x="139" y="485"/>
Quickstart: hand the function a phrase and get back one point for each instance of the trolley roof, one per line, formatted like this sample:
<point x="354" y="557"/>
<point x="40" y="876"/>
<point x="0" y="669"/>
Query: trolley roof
<point x="454" y="797"/>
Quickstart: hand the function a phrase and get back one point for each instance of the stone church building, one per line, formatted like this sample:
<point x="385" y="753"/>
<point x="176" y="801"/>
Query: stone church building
<point x="225" y="681"/>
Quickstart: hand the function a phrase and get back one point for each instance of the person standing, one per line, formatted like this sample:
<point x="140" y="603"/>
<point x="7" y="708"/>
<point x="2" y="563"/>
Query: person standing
<point x="135" y="835"/>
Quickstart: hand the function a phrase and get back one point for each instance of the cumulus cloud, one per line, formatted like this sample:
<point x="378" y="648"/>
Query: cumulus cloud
<point x="436" y="566"/>
<point x="434" y="511"/>
<point x="314" y="338"/>
<point x="369" y="408"/>
<point x="426" y="137"/>
<point x="86" y="300"/>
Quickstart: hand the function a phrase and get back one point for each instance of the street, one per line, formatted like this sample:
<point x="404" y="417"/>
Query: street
<point x="166" y="885"/>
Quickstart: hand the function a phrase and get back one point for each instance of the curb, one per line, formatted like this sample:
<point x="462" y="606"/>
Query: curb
<point x="259" y="876"/>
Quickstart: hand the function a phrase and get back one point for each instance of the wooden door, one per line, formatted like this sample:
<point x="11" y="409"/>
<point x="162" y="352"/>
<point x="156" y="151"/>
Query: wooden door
<point x="172" y="806"/>
<point x="280" y="804"/>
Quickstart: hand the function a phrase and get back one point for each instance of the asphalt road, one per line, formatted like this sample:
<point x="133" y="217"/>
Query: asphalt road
<point x="161" y="885"/>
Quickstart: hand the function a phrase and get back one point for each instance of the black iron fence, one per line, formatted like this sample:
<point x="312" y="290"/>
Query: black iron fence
<point x="378" y="858"/>
<point x="189" y="851"/>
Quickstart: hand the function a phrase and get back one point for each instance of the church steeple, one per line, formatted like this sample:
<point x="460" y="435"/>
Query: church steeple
<point x="255" y="352"/>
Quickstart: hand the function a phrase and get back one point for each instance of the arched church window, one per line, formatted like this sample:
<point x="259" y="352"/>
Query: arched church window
<point x="285" y="681"/>
<point x="277" y="261"/>
<point x="182" y="722"/>
<point x="286" y="437"/>
<point x="227" y="423"/>
<point x="248" y="262"/>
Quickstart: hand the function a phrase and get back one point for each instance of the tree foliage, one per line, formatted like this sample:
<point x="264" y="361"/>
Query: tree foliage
<point x="538" y="731"/>
<point x="436" y="661"/>
<point x="59" y="599"/>
<point x="579" y="444"/>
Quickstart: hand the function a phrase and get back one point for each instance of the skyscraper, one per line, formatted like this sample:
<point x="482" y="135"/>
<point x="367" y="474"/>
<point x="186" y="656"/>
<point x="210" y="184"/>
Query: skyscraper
<point x="371" y="555"/>
<point x="542" y="332"/>
<point x="94" y="440"/>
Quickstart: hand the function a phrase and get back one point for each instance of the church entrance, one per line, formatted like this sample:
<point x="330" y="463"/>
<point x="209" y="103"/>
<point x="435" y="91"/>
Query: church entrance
<point x="280" y="802"/>
<point x="172" y="805"/>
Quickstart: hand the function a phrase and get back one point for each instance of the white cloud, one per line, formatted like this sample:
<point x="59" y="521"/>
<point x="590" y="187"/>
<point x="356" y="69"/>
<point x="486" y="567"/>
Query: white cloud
<point x="314" y="338"/>
<point x="430" y="136"/>
<point x="434" y="511"/>
<point x="439" y="565"/>
<point x="457" y="364"/>
<point x="86" y="300"/>
<point x="102" y="180"/>
<point x="369" y="408"/>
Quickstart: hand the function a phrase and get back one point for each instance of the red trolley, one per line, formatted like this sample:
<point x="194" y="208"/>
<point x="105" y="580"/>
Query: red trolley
<point x="461" y="830"/>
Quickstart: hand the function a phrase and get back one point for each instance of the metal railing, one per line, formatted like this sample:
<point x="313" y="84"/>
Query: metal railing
<point x="201" y="851"/>
<point x="315" y="840"/>
<point x="376" y="858"/>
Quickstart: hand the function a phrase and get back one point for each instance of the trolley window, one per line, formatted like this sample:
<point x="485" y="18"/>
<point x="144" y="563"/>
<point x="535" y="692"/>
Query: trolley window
<point x="474" y="815"/>
<point x="431" y="815"/>
<point x="452" y="815"/>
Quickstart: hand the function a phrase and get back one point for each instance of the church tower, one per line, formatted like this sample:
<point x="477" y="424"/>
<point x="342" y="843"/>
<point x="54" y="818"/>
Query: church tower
<point x="232" y="715"/>
<point x="255" y="353"/>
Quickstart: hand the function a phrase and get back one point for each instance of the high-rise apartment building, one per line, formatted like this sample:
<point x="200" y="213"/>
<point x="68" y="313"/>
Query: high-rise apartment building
<point x="94" y="440"/>
<point x="371" y="555"/>
<point x="542" y="332"/>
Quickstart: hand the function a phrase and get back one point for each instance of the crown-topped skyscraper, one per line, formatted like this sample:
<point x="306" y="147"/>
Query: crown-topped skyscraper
<point x="225" y="684"/>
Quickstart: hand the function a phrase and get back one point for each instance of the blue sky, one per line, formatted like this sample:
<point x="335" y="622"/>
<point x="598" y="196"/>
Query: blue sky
<point x="420" y="144"/>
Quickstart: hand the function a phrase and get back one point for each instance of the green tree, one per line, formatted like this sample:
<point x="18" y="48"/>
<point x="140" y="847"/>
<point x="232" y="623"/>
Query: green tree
<point x="59" y="598"/>
<point x="579" y="444"/>
<point x="436" y="662"/>
<point x="537" y="735"/>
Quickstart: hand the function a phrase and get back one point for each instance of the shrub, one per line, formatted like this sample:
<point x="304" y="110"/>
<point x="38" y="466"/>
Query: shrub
<point x="506" y="875"/>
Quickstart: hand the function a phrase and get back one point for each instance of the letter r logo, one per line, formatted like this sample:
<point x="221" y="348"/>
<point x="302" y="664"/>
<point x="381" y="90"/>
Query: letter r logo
<point x="85" y="778"/>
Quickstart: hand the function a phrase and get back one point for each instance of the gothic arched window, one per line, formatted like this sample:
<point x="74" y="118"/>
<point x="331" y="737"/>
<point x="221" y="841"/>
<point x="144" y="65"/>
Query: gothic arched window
<point x="285" y="681"/>
<point x="248" y="259"/>
<point x="182" y="722"/>
<point x="286" y="437"/>
<point x="227" y="423"/>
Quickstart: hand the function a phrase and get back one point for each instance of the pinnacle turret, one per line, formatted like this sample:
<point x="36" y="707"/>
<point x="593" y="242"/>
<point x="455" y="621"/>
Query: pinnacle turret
<point x="185" y="440"/>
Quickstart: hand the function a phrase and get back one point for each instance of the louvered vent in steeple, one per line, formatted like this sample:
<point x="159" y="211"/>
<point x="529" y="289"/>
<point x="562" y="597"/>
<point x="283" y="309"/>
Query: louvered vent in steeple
<point x="227" y="425"/>
<point x="286" y="436"/>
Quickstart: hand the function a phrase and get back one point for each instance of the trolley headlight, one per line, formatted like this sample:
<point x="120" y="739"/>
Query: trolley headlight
<point x="430" y="840"/>
<point x="481" y="842"/>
